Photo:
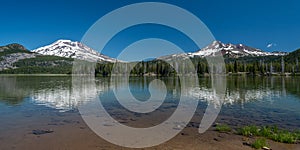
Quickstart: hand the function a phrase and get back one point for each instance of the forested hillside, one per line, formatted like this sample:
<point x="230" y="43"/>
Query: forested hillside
<point x="16" y="59"/>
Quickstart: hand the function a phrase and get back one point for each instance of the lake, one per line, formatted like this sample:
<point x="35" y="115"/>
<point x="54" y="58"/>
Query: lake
<point x="29" y="104"/>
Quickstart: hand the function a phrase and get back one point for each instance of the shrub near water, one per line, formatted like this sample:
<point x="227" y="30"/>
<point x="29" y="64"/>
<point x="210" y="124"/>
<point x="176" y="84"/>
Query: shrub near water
<point x="272" y="133"/>
<point x="249" y="131"/>
<point x="223" y="128"/>
<point x="284" y="137"/>
<point x="259" y="143"/>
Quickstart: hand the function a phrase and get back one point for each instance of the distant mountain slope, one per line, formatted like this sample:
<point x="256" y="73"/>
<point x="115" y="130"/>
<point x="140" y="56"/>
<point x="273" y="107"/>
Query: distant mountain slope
<point x="70" y="49"/>
<point x="14" y="46"/>
<point x="58" y="58"/>
<point x="16" y="59"/>
<point x="13" y="53"/>
<point x="228" y="51"/>
<point x="233" y="51"/>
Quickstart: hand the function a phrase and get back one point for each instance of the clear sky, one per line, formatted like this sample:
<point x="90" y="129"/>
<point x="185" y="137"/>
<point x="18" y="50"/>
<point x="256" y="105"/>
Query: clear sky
<point x="265" y="24"/>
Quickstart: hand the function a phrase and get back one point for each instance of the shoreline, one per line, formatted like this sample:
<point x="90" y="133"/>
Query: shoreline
<point x="154" y="75"/>
<point x="46" y="75"/>
<point x="74" y="134"/>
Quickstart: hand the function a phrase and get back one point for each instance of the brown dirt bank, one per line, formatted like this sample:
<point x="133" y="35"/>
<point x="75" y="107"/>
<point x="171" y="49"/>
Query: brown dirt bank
<point x="71" y="133"/>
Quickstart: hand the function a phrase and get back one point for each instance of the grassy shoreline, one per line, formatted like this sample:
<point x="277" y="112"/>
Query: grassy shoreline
<point x="261" y="133"/>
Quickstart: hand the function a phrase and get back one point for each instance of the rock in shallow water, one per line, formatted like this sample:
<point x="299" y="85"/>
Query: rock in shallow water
<point x="40" y="132"/>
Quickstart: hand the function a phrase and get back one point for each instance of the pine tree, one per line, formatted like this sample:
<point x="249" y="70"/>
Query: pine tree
<point x="282" y="65"/>
<point x="235" y="67"/>
<point x="271" y="68"/>
<point x="297" y="65"/>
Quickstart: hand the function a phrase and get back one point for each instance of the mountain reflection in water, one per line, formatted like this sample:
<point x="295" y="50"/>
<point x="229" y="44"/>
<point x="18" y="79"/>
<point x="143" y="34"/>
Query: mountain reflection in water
<point x="57" y="92"/>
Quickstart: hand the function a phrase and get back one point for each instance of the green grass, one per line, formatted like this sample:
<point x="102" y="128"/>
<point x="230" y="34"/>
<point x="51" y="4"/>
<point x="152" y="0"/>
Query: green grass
<point x="249" y="131"/>
<point x="285" y="137"/>
<point x="223" y="128"/>
<point x="272" y="133"/>
<point x="259" y="143"/>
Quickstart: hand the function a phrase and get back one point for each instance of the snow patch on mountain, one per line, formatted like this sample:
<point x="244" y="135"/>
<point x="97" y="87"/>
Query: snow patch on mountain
<point x="71" y="49"/>
<point x="232" y="50"/>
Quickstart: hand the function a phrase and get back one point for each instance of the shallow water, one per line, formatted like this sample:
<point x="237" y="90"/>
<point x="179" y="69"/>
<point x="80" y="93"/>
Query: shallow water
<point x="30" y="103"/>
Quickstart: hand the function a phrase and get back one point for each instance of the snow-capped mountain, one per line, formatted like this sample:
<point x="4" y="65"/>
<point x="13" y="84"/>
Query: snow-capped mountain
<point x="71" y="49"/>
<point x="233" y="51"/>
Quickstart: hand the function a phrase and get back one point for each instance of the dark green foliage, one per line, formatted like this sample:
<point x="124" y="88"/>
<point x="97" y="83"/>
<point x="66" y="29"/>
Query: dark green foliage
<point x="45" y="61"/>
<point x="158" y="68"/>
<point x="42" y="65"/>
<point x="39" y="70"/>
<point x="293" y="56"/>
<point x="251" y="65"/>
<point x="103" y="69"/>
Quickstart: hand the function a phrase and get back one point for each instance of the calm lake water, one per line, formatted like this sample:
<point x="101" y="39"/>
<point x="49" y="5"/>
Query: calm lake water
<point x="25" y="101"/>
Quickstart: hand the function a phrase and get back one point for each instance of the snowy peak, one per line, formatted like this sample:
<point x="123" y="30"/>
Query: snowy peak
<point x="232" y="50"/>
<point x="77" y="50"/>
<point x="70" y="49"/>
<point x="216" y="44"/>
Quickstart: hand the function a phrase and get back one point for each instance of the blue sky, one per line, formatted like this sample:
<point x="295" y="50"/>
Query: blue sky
<point x="257" y="23"/>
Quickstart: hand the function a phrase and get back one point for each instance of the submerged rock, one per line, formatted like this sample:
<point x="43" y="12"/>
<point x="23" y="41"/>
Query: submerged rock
<point x="40" y="132"/>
